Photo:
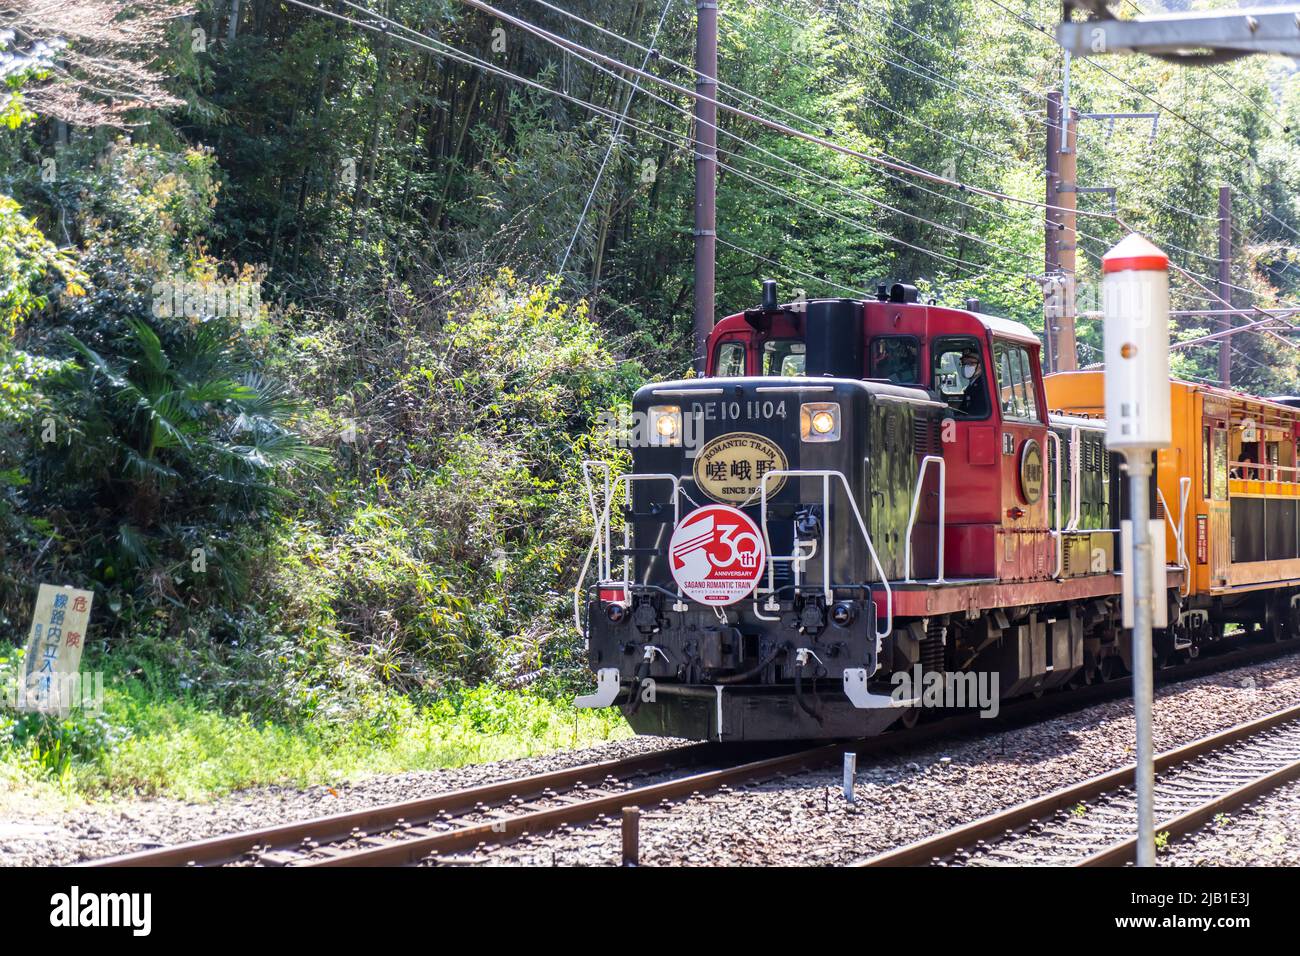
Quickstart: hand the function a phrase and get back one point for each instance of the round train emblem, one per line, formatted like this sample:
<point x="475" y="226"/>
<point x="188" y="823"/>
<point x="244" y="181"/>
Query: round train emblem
<point x="1031" y="471"/>
<point x="729" y="468"/>
<point x="716" y="555"/>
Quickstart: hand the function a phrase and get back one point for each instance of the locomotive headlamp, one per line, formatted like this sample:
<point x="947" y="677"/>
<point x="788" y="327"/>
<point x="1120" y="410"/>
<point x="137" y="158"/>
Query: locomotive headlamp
<point x="819" y="421"/>
<point x="665" y="424"/>
<point x="843" y="613"/>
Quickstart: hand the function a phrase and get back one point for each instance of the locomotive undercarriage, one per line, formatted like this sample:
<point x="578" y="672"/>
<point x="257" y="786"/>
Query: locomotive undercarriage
<point x="692" y="674"/>
<point x="760" y="679"/>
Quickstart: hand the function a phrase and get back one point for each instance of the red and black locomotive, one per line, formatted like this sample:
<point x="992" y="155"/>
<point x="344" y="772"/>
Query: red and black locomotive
<point x="891" y="499"/>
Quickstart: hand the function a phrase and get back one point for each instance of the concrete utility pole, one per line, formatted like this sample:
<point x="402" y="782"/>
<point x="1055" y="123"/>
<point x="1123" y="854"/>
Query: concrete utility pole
<point x="1060" y="240"/>
<point x="1225" y="283"/>
<point x="706" y="172"/>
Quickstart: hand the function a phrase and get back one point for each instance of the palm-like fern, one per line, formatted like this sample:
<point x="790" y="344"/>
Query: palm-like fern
<point x="190" y="426"/>
<point x="198" y="408"/>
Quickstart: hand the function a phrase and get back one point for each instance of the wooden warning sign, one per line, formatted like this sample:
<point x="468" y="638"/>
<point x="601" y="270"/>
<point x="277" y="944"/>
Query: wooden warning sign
<point x="51" y="673"/>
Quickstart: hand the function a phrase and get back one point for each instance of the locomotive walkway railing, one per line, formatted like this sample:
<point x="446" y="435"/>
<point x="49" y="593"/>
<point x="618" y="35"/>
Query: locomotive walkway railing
<point x="926" y="462"/>
<point x="798" y="559"/>
<point x="601" y="547"/>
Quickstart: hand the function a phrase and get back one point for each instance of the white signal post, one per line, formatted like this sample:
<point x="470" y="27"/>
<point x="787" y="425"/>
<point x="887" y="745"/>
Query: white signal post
<point x="1135" y="307"/>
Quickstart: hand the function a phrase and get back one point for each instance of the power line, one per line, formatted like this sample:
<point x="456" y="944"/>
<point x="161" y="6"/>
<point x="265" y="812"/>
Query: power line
<point x="464" y="58"/>
<point x="782" y="159"/>
<point x="806" y="176"/>
<point x="937" y="77"/>
<point x="613" y="138"/>
<point x="646" y="128"/>
<point x="735" y="91"/>
<point x="889" y="109"/>
<point x="791" y="269"/>
<point x="969" y="267"/>
<point x="723" y="86"/>
<point x="911" y="170"/>
<point x="935" y="44"/>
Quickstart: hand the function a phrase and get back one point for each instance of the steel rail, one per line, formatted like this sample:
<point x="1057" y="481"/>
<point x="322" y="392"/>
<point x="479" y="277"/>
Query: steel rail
<point x="1126" y="850"/>
<point x="408" y="851"/>
<point x="405" y="852"/>
<point x="231" y="847"/>
<point x="924" y="852"/>
<point x="367" y="823"/>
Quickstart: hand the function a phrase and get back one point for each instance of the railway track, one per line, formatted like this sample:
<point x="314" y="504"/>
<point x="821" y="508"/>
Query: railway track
<point x="293" y="842"/>
<point x="1089" y="823"/>
<point x="446" y="826"/>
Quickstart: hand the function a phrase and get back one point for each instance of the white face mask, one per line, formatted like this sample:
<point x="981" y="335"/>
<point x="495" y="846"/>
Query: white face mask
<point x="968" y="371"/>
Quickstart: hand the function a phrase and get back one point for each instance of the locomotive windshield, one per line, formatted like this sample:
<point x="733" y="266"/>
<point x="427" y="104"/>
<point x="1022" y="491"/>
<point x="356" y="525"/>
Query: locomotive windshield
<point x="783" y="357"/>
<point x="959" y="376"/>
<point x="896" y="358"/>
<point x="730" y="361"/>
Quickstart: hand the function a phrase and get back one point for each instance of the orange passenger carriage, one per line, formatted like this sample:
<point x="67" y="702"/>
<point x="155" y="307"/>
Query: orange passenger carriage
<point x="1229" y="487"/>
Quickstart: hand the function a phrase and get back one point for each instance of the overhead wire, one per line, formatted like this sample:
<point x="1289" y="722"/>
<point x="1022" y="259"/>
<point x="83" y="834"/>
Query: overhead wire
<point x="446" y="50"/>
<point x="470" y="59"/>
<point x="613" y="139"/>
<point x="908" y="169"/>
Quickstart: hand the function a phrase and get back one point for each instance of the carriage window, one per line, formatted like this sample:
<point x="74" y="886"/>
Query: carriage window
<point x="958" y="375"/>
<point x="1220" y="477"/>
<point x="783" y="357"/>
<point x="1015" y="381"/>
<point x="730" y="360"/>
<point x="895" y="357"/>
<point x="1205" y="462"/>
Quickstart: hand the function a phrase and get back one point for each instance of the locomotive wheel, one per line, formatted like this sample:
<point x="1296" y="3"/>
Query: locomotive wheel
<point x="1273" y="628"/>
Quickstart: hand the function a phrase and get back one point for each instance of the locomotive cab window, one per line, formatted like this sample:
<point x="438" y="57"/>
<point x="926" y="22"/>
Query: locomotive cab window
<point x="960" y="377"/>
<point x="783" y="357"/>
<point x="729" y="362"/>
<point x="1016" y="390"/>
<point x="896" y="358"/>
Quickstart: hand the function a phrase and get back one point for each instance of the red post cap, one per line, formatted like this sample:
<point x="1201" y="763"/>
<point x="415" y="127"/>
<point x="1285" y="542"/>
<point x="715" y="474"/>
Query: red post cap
<point x="1133" y="253"/>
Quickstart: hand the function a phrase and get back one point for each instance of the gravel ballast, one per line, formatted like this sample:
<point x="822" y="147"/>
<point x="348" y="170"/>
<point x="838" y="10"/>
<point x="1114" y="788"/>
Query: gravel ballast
<point x="900" y="799"/>
<point x="802" y="819"/>
<point x="1266" y="834"/>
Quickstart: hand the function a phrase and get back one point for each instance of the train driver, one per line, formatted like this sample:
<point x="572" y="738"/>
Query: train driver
<point x="975" y="395"/>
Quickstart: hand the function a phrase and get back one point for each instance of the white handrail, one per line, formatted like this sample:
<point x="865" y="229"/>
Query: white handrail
<point x="1180" y="530"/>
<point x="1056" y="532"/>
<point x="1076" y="453"/>
<point x="826" y="475"/>
<point x="911" y="518"/>
<point x="604" y="561"/>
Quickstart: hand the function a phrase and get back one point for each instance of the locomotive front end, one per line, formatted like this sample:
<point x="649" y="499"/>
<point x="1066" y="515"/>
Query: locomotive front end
<point x="738" y="581"/>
